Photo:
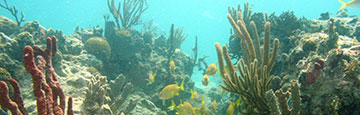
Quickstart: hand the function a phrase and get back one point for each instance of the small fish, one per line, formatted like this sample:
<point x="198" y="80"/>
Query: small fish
<point x="183" y="108"/>
<point x="187" y="109"/>
<point x="172" y="65"/>
<point x="202" y="107"/>
<point x="151" y="79"/>
<point x="231" y="109"/>
<point x="173" y="105"/>
<point x="214" y="106"/>
<point x="203" y="110"/>
<point x="351" y="4"/>
<point x="211" y="70"/>
<point x="205" y="80"/>
<point x="194" y="95"/>
<point x="171" y="90"/>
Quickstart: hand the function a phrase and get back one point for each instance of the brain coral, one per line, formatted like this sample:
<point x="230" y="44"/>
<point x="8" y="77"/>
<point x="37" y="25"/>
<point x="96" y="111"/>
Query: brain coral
<point x="98" y="47"/>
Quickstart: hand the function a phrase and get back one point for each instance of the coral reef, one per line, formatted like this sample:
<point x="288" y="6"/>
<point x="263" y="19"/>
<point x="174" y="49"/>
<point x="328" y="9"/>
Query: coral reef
<point x="7" y="26"/>
<point x="121" y="70"/>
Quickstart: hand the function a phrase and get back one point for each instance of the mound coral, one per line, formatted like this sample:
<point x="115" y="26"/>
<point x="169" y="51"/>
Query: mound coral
<point x="98" y="47"/>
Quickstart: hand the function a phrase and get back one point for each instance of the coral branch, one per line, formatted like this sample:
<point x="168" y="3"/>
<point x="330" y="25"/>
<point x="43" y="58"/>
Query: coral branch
<point x="253" y="79"/>
<point x="13" y="10"/>
<point x="17" y="96"/>
<point x="5" y="100"/>
<point x="129" y="13"/>
<point x="70" y="110"/>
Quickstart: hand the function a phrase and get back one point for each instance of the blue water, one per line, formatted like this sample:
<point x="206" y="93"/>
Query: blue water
<point x="203" y="18"/>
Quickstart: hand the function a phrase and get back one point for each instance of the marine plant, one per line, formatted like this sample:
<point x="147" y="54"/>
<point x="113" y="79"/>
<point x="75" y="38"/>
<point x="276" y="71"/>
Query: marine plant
<point x="128" y="12"/>
<point x="254" y="79"/>
<point x="14" y="12"/>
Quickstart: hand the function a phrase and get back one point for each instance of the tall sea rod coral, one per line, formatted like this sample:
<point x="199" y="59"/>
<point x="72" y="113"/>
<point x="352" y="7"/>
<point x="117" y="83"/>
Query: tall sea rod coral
<point x="254" y="79"/>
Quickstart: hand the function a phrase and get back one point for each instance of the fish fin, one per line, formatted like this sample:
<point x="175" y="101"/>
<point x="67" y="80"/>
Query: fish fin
<point x="238" y="101"/>
<point x="192" y="94"/>
<point x="173" y="105"/>
<point x="344" y="4"/>
<point x="202" y="100"/>
<point x="213" y="75"/>
<point x="182" y="86"/>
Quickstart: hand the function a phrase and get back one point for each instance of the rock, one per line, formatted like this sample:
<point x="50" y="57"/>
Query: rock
<point x="7" y="26"/>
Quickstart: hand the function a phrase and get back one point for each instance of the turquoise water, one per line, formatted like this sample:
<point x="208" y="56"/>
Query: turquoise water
<point x="203" y="18"/>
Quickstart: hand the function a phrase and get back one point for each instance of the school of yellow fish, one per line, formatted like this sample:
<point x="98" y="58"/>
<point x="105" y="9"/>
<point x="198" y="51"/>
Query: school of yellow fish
<point x="186" y="108"/>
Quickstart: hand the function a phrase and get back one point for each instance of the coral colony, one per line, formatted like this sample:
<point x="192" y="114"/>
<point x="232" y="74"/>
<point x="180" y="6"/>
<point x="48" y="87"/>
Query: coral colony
<point x="272" y="64"/>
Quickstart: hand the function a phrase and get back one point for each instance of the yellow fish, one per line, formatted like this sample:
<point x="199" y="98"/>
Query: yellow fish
<point x="183" y="108"/>
<point x="173" y="105"/>
<point x="203" y="110"/>
<point x="211" y="70"/>
<point x="231" y="109"/>
<point x="186" y="109"/>
<point x="205" y="80"/>
<point x="351" y="4"/>
<point x="172" y="65"/>
<point x="214" y="106"/>
<point x="194" y="95"/>
<point x="151" y="79"/>
<point x="171" y="90"/>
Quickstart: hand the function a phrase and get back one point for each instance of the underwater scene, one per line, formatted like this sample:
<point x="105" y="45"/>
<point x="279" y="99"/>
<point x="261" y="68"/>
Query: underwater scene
<point x="179" y="57"/>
